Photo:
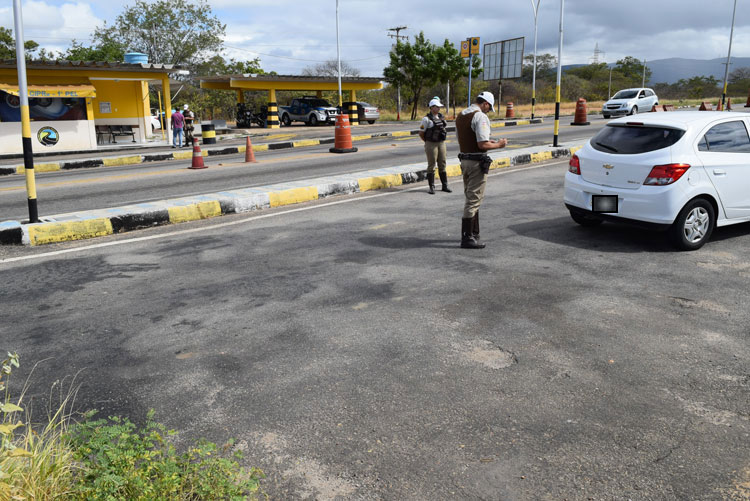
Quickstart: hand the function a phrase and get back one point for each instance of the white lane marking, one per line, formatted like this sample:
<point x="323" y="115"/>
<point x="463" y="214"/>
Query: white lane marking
<point x="250" y="219"/>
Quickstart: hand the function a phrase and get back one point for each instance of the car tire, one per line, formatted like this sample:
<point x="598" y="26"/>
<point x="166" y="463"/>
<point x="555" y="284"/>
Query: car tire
<point x="313" y="121"/>
<point x="371" y="122"/>
<point x="606" y="117"/>
<point x="694" y="225"/>
<point x="584" y="220"/>
<point x="633" y="110"/>
<point x="285" y="120"/>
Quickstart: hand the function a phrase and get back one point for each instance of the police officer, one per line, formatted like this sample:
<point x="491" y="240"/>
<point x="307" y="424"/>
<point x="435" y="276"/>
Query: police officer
<point x="433" y="133"/>
<point x="473" y="132"/>
<point x="189" y="118"/>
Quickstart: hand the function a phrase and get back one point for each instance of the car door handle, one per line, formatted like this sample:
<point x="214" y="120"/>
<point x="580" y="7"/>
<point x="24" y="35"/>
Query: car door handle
<point x="720" y="172"/>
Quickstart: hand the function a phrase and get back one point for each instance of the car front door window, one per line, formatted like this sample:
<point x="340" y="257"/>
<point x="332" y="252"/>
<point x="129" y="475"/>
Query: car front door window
<point x="725" y="153"/>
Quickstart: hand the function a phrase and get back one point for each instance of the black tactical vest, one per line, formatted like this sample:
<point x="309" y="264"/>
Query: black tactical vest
<point x="437" y="132"/>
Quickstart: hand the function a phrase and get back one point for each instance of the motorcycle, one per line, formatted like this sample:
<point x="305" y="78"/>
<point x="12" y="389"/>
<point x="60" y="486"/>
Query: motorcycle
<point x="246" y="116"/>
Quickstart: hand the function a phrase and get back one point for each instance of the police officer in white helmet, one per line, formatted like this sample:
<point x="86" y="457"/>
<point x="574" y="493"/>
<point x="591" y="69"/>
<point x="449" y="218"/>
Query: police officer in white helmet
<point x="473" y="132"/>
<point x="433" y="133"/>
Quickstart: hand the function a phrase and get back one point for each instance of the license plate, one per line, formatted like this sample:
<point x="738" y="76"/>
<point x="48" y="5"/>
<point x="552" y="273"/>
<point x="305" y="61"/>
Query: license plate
<point x="604" y="203"/>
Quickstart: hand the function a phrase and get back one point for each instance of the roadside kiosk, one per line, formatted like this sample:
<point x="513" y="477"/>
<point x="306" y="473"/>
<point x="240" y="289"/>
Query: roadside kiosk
<point x="77" y="105"/>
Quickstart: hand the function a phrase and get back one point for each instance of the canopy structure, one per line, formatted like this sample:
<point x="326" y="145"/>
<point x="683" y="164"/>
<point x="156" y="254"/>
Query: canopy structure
<point x="272" y="83"/>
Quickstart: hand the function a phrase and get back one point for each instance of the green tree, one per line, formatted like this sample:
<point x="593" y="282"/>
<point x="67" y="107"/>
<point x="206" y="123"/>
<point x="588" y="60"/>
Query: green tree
<point x="330" y="68"/>
<point x="452" y="69"/>
<point x="631" y="69"/>
<point x="8" y="46"/>
<point x="168" y="31"/>
<point x="546" y="68"/>
<point x="413" y="67"/>
<point x="109" y="50"/>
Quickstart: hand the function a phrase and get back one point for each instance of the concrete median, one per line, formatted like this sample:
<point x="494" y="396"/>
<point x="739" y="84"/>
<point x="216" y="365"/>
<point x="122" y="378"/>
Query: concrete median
<point x="101" y="222"/>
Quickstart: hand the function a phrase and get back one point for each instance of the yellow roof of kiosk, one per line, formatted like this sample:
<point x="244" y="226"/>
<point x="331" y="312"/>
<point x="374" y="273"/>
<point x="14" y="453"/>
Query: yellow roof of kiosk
<point x="51" y="91"/>
<point x="288" y="82"/>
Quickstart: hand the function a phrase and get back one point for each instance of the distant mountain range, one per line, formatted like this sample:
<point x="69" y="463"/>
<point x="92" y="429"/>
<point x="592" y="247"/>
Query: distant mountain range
<point x="673" y="69"/>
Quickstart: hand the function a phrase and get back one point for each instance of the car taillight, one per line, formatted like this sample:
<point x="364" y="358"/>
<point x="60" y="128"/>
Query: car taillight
<point x="662" y="175"/>
<point x="574" y="165"/>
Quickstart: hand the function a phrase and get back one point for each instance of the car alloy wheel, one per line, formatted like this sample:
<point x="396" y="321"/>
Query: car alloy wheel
<point x="286" y="121"/>
<point x="694" y="225"/>
<point x="313" y="120"/>
<point x="633" y="110"/>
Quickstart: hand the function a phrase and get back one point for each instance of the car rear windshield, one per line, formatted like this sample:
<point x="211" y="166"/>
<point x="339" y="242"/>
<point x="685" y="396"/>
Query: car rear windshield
<point x="631" y="140"/>
<point x="625" y="94"/>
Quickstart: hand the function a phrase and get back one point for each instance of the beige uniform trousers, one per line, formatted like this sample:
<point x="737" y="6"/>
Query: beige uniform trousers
<point x="474" y="182"/>
<point x="436" y="153"/>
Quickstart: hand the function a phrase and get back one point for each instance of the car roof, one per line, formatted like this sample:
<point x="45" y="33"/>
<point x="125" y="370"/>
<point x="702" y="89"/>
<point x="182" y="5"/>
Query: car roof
<point x="680" y="119"/>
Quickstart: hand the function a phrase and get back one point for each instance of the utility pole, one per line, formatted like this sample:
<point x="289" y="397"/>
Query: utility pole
<point x="729" y="55"/>
<point x="643" y="81"/>
<point x="398" y="87"/>
<point x="533" y="78"/>
<point x="559" y="75"/>
<point x="23" y="95"/>
<point x="338" y="52"/>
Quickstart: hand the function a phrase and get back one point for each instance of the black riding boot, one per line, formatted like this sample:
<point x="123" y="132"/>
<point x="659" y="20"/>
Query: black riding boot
<point x="444" y="180"/>
<point x="431" y="180"/>
<point x="467" y="236"/>
<point x="475" y="226"/>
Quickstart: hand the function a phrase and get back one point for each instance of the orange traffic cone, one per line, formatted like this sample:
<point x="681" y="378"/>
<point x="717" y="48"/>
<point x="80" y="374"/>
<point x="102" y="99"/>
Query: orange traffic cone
<point x="249" y="154"/>
<point x="581" y="113"/>
<point x="729" y="104"/>
<point x="197" y="156"/>
<point x="509" y="111"/>
<point x="719" y="107"/>
<point x="747" y="105"/>
<point x="655" y="108"/>
<point x="343" y="137"/>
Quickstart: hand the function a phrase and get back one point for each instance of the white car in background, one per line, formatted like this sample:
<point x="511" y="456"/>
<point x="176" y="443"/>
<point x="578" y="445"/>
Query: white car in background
<point x="684" y="172"/>
<point x="630" y="102"/>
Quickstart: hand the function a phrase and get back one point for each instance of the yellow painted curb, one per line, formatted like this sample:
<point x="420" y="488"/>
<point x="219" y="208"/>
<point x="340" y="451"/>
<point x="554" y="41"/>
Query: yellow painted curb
<point x="453" y="170"/>
<point x="541" y="156"/>
<point x="517" y="122"/>
<point x="500" y="163"/>
<point x="574" y="149"/>
<point x="49" y="233"/>
<point x="401" y="133"/>
<point x="306" y="142"/>
<point x="293" y="196"/>
<point x="201" y="210"/>
<point x="20" y="169"/>
<point x="378" y="182"/>
<point x="112" y="162"/>
<point x="182" y="155"/>
<point x="262" y="147"/>
<point x="360" y="138"/>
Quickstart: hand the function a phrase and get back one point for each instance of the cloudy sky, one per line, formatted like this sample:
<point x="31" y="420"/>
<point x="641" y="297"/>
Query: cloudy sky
<point x="289" y="35"/>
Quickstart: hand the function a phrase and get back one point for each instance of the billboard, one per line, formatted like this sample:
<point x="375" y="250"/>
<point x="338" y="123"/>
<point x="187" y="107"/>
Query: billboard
<point x="503" y="60"/>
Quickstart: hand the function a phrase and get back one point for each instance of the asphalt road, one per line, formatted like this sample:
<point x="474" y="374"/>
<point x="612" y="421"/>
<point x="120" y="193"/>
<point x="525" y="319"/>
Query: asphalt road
<point x="355" y="352"/>
<point x="83" y="189"/>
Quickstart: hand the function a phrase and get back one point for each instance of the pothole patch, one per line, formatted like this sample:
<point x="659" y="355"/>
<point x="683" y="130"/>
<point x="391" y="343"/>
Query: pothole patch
<point x="486" y="353"/>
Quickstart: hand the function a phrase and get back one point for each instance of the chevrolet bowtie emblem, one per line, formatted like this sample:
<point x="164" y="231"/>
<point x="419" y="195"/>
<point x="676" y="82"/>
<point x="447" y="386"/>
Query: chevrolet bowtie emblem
<point x="607" y="166"/>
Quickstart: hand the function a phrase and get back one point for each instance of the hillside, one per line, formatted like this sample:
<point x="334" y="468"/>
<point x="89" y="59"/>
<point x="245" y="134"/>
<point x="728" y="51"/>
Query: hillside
<point x="673" y="69"/>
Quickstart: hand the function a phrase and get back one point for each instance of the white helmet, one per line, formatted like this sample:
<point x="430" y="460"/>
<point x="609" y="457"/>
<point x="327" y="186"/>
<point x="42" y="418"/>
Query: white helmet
<point x="436" y="102"/>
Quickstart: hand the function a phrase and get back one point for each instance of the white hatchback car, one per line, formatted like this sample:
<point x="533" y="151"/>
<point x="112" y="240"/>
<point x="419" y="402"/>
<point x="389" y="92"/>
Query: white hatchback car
<point x="685" y="172"/>
<point x="630" y="102"/>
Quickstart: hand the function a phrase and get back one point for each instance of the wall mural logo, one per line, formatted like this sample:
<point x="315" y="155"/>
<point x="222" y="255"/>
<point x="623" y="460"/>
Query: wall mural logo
<point x="48" y="136"/>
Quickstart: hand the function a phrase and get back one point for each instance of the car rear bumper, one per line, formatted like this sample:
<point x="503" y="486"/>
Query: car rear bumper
<point x="618" y="219"/>
<point x="652" y="205"/>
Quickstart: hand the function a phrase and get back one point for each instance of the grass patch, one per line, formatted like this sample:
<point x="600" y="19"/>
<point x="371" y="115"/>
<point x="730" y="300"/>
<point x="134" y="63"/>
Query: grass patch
<point x="108" y="459"/>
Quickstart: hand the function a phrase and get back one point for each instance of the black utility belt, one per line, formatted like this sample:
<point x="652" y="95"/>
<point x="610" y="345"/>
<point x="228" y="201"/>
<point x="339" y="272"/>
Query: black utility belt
<point x="484" y="160"/>
<point x="472" y="156"/>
